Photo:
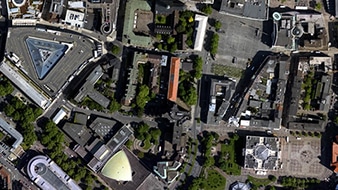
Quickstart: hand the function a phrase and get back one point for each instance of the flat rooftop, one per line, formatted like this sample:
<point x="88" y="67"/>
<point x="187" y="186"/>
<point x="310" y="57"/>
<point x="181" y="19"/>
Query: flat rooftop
<point x="80" y="51"/>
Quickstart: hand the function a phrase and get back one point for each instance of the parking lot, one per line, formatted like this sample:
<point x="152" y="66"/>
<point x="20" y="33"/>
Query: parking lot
<point x="81" y="50"/>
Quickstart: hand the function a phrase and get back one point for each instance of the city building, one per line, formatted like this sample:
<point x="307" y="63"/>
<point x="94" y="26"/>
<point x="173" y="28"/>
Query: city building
<point x="257" y="10"/>
<point x="266" y="95"/>
<point x="5" y="179"/>
<point x="174" y="75"/>
<point x="59" y="115"/>
<point x="11" y="131"/>
<point x="118" y="167"/>
<point x="78" y="132"/>
<point x="74" y="18"/>
<point x="169" y="10"/>
<point x="221" y="91"/>
<point x="167" y="170"/>
<point x="44" y="54"/>
<point x="32" y="91"/>
<point x="120" y="137"/>
<point x="104" y="127"/>
<point x="156" y="62"/>
<point x="87" y="89"/>
<point x="126" y="166"/>
<point x="201" y="23"/>
<point x="47" y="175"/>
<point x="262" y="154"/>
<point x="24" y="10"/>
<point x="306" y="109"/>
<point x="334" y="160"/>
<point x="132" y="21"/>
<point x="299" y="29"/>
<point x="240" y="186"/>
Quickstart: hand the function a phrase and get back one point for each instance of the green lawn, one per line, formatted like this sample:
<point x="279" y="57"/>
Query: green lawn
<point x="227" y="70"/>
<point x="215" y="181"/>
<point x="259" y="181"/>
<point x="161" y="19"/>
<point x="230" y="166"/>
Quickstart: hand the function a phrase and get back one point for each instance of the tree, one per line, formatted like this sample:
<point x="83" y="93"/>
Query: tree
<point x="218" y="25"/>
<point x="198" y="67"/>
<point x="6" y="87"/>
<point x="142" y="97"/>
<point x="318" y="6"/>
<point x="155" y="135"/>
<point x="210" y="161"/>
<point x="114" y="106"/>
<point x="173" y="48"/>
<point x="115" y="49"/>
<point x="170" y="40"/>
<point x="9" y="110"/>
<point x="214" y="44"/>
<point x="207" y="9"/>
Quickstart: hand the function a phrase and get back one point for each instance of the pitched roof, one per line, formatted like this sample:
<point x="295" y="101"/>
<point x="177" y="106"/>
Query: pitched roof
<point x="173" y="78"/>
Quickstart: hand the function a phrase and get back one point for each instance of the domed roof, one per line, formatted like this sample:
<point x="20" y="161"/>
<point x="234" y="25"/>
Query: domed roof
<point x="118" y="167"/>
<point x="19" y="3"/>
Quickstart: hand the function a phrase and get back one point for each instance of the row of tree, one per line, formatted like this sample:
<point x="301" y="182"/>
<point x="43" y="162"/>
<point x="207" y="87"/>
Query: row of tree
<point x="53" y="139"/>
<point x="214" y="44"/>
<point x="24" y="115"/>
<point x="293" y="182"/>
<point x="6" y="87"/>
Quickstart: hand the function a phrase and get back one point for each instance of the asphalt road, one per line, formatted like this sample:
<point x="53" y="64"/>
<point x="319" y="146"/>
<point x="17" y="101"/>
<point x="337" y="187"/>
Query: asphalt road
<point x="81" y="51"/>
<point x="17" y="175"/>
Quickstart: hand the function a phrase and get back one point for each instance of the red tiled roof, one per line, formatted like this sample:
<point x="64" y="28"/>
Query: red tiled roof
<point x="173" y="78"/>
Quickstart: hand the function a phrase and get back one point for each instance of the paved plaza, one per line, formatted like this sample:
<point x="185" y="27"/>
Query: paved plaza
<point x="301" y="158"/>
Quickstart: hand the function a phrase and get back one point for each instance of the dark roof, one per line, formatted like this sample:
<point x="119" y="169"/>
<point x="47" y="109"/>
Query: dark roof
<point x="80" y="118"/>
<point x="103" y="127"/>
<point x="79" y="133"/>
<point x="119" y="138"/>
<point x="168" y="6"/>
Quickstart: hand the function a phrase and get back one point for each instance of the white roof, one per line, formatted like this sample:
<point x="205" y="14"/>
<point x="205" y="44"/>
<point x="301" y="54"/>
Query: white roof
<point x="200" y="31"/>
<point x="24" y="86"/>
<point x="60" y="115"/>
<point x="74" y="18"/>
<point x="76" y="4"/>
<point x="245" y="123"/>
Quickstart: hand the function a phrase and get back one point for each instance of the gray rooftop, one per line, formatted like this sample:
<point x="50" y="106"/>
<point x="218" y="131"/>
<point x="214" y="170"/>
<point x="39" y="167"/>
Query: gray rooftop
<point x="103" y="127"/>
<point x="12" y="132"/>
<point x="119" y="138"/>
<point x="221" y="90"/>
<point x="50" y="176"/>
<point x="79" y="133"/>
<point x="44" y="54"/>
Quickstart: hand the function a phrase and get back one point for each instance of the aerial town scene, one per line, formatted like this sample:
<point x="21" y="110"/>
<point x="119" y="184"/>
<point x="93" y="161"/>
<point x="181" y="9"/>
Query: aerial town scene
<point x="169" y="95"/>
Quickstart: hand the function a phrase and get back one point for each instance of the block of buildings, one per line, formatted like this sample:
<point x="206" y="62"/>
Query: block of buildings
<point x="299" y="29"/>
<point x="11" y="131"/>
<point x="221" y="91"/>
<point x="309" y="72"/>
<point x="266" y="95"/>
<point x="87" y="89"/>
<point x="167" y="170"/>
<point x="131" y="22"/>
<point x="257" y="10"/>
<point x="262" y="154"/>
<point x="47" y="175"/>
